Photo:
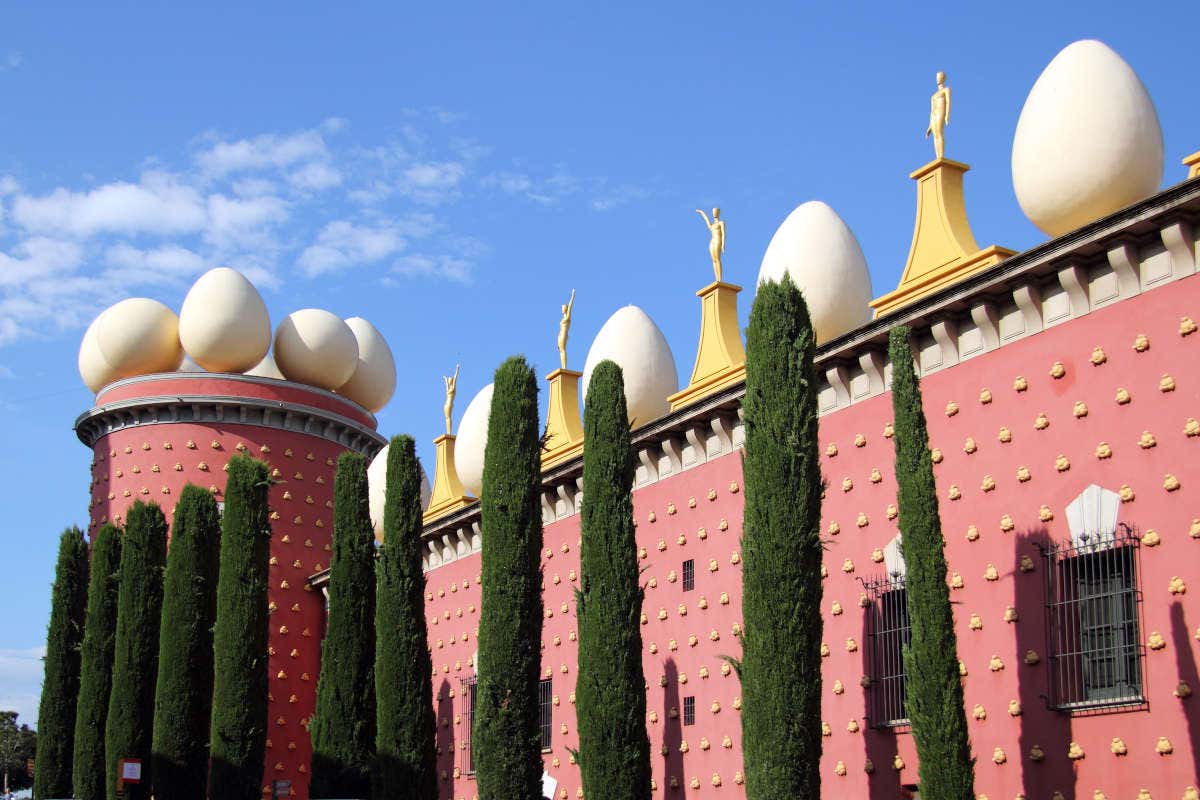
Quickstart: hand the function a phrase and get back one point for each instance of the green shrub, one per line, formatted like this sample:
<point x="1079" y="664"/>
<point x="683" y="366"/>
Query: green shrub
<point x="614" y="751"/>
<point x="781" y="552"/>
<point x="60" y="687"/>
<point x="239" y="708"/>
<point x="343" y="729"/>
<point x="507" y="736"/>
<point x="183" y="705"/>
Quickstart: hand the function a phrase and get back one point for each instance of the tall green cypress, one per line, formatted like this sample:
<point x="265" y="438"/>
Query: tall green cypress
<point x="239" y="707"/>
<point x="507" y="741"/>
<point x="130" y="718"/>
<point x="610" y="696"/>
<point x="934" y="696"/>
<point x="60" y="688"/>
<point x="781" y="551"/>
<point x="96" y="664"/>
<point x="183" y="703"/>
<point x="343" y="728"/>
<point x="406" y="727"/>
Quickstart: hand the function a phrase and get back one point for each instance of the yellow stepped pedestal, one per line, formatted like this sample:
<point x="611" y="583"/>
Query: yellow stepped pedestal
<point x="1192" y="162"/>
<point x="564" y="429"/>
<point x="943" y="249"/>
<point x="720" y="357"/>
<point x="448" y="493"/>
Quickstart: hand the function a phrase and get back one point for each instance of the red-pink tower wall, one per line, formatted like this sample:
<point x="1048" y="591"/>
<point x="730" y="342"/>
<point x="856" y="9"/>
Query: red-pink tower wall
<point x="697" y="514"/>
<point x="154" y="434"/>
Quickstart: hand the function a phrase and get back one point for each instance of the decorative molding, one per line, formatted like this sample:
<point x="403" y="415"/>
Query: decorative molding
<point x="98" y="422"/>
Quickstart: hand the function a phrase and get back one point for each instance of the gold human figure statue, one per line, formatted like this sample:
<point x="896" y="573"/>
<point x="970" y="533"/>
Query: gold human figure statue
<point x="564" y="327"/>
<point x="939" y="116"/>
<point x="451" y="387"/>
<point x="716" y="242"/>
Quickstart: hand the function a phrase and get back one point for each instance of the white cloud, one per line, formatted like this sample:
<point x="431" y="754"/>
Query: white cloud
<point x="243" y="221"/>
<point x="160" y="204"/>
<point x="432" y="182"/>
<point x="21" y="672"/>
<point x="38" y="258"/>
<point x="8" y="185"/>
<point x="262" y="152"/>
<point x="315" y="176"/>
<point x="130" y="265"/>
<point x="343" y="244"/>
<point x="13" y="59"/>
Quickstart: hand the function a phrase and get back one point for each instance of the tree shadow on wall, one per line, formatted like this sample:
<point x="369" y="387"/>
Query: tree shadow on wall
<point x="1038" y="726"/>
<point x="1185" y="660"/>
<point x="447" y="755"/>
<point x="672" y="716"/>
<point x="879" y="743"/>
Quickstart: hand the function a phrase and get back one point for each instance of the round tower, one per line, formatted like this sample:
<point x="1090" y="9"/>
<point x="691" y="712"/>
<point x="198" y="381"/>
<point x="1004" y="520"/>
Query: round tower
<point x="152" y="434"/>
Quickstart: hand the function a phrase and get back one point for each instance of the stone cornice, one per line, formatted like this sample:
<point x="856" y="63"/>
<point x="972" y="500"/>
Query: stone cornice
<point x="205" y="409"/>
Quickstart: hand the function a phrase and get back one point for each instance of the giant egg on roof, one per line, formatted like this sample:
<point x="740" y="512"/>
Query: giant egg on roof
<point x="374" y="378"/>
<point x="93" y="367"/>
<point x="634" y="342"/>
<point x="471" y="440"/>
<point x="316" y="347"/>
<point x="266" y="368"/>
<point x="819" y="251"/>
<point x="377" y="490"/>
<point x="1088" y="141"/>
<point x="139" y="336"/>
<point x="223" y="323"/>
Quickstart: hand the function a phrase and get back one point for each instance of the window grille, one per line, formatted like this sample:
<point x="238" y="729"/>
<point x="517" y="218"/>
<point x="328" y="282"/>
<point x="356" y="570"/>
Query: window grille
<point x="888" y="633"/>
<point x="546" y="702"/>
<point x="689" y="710"/>
<point x="689" y="575"/>
<point x="469" y="686"/>
<point x="1093" y="608"/>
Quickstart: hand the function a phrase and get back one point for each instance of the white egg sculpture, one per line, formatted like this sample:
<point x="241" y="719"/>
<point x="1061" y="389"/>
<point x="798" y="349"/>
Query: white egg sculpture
<point x="374" y="380"/>
<point x="139" y="336"/>
<point x="1088" y="141"/>
<point x="93" y="367"/>
<point x="266" y="369"/>
<point x="316" y="347"/>
<point x="826" y="263"/>
<point x="631" y="339"/>
<point x="471" y="440"/>
<point x="377" y="490"/>
<point x="223" y="323"/>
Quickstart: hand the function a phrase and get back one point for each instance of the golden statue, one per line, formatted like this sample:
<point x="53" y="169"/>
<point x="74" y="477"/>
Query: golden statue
<point x="451" y="387"/>
<point x="939" y="115"/>
<point x="564" y="327"/>
<point x="716" y="244"/>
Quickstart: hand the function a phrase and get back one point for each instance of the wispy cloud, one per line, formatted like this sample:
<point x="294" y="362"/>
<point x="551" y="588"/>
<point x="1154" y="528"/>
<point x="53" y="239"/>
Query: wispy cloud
<point x="13" y="59"/>
<point x="306" y="201"/>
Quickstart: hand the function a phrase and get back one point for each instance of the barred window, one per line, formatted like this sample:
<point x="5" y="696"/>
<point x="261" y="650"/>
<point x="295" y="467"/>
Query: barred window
<point x="1093" y="604"/>
<point x="888" y="633"/>
<point x="546" y="701"/>
<point x="689" y="575"/>
<point x="469" y="685"/>
<point x="689" y="710"/>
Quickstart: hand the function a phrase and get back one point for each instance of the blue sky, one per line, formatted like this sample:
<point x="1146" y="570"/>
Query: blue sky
<point x="451" y="171"/>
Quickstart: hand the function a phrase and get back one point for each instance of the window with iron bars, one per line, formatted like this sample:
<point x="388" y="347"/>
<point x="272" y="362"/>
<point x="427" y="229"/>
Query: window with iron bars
<point x="689" y="575"/>
<point x="546" y="702"/>
<point x="469" y="686"/>
<point x="689" y="710"/>
<point x="888" y="633"/>
<point x="1093" y="608"/>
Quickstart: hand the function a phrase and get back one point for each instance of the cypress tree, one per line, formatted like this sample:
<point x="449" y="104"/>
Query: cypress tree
<point x="781" y="551"/>
<point x="507" y="737"/>
<point x="343" y="729"/>
<point x="60" y="688"/>
<point x="130" y="718"/>
<point x="96" y="664"/>
<point x="239" y="706"/>
<point x="934" y="696"/>
<point x="406" y="727"/>
<point x="610" y="697"/>
<point x="183" y="703"/>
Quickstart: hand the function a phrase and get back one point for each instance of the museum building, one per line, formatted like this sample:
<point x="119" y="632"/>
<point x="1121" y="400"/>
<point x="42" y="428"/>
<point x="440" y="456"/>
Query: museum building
<point x="1062" y="390"/>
